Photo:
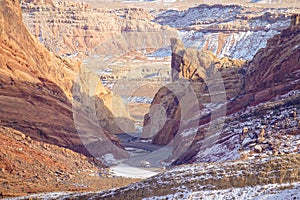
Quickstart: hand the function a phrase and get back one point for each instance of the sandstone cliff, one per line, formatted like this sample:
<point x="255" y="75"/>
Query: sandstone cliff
<point x="76" y="29"/>
<point x="237" y="31"/>
<point x="213" y="123"/>
<point x="208" y="79"/>
<point x="275" y="69"/>
<point x="36" y="89"/>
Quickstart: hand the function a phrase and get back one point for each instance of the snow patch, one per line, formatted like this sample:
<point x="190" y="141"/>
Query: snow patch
<point x="127" y="171"/>
<point x="108" y="159"/>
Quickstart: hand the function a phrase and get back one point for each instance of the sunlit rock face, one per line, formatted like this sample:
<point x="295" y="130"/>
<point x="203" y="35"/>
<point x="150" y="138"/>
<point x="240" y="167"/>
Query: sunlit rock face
<point x="37" y="91"/>
<point x="76" y="29"/>
<point x="226" y="30"/>
<point x="269" y="82"/>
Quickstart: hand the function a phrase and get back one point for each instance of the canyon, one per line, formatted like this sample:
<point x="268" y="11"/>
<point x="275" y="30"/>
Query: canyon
<point x="208" y="95"/>
<point x="38" y="107"/>
<point x="115" y="42"/>
<point x="81" y="30"/>
<point x="225" y="93"/>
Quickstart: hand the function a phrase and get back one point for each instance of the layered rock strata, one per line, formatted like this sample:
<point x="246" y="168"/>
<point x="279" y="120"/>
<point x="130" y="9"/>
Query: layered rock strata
<point x="273" y="74"/>
<point x="37" y="90"/>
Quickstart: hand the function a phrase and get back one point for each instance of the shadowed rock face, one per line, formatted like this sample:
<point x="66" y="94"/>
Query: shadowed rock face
<point x="295" y="19"/>
<point x="199" y="78"/>
<point x="36" y="90"/>
<point x="273" y="71"/>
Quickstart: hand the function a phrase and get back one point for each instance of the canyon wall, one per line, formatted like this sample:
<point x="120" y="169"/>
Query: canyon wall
<point x="273" y="72"/>
<point x="275" y="69"/>
<point x="227" y="30"/>
<point x="37" y="91"/>
<point x="76" y="29"/>
<point x="80" y="30"/>
<point x="199" y="78"/>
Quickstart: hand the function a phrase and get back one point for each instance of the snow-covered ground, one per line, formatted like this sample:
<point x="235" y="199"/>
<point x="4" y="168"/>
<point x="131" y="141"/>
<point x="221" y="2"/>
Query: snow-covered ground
<point x="205" y="181"/>
<point x="127" y="171"/>
<point x="224" y="30"/>
<point x="138" y="99"/>
<point x="241" y="45"/>
<point x="109" y="159"/>
<point x="279" y="127"/>
<point x="45" y="196"/>
<point x="265" y="192"/>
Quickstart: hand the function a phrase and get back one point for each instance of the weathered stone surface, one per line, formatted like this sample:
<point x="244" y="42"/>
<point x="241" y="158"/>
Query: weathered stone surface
<point x="84" y="30"/>
<point x="258" y="148"/>
<point x="295" y="19"/>
<point x="274" y="71"/>
<point x="237" y="31"/>
<point x="40" y="167"/>
<point x="199" y="78"/>
<point x="36" y="89"/>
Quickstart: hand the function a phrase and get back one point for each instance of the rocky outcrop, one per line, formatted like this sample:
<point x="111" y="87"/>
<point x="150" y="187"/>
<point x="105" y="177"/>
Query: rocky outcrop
<point x="275" y="69"/>
<point x="295" y="19"/>
<point x="195" y="65"/>
<point x="191" y="181"/>
<point x="28" y="166"/>
<point x="236" y="31"/>
<point x="37" y="89"/>
<point x="273" y="74"/>
<point x="199" y="78"/>
<point x="76" y="29"/>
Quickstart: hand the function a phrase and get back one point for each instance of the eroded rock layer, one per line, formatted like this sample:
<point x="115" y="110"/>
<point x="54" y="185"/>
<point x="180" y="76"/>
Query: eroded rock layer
<point x="199" y="78"/>
<point x="37" y="86"/>
<point x="76" y="29"/>
<point x="269" y="82"/>
<point x="237" y="31"/>
<point x="28" y="167"/>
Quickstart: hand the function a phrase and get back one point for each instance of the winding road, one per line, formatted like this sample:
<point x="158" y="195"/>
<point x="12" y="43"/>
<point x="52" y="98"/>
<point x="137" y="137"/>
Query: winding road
<point x="156" y="154"/>
<point x="135" y="142"/>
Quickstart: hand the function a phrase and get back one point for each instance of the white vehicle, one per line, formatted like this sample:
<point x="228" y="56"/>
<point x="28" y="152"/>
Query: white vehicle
<point x="145" y="163"/>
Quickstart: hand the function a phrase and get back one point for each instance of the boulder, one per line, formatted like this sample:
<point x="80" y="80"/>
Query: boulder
<point x="258" y="149"/>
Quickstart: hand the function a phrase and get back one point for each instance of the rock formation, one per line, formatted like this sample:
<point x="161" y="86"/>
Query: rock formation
<point x="274" y="69"/>
<point x="37" y="86"/>
<point x="237" y="31"/>
<point x="28" y="166"/>
<point x="199" y="78"/>
<point x="76" y="29"/>
<point x="295" y="19"/>
<point x="273" y="72"/>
